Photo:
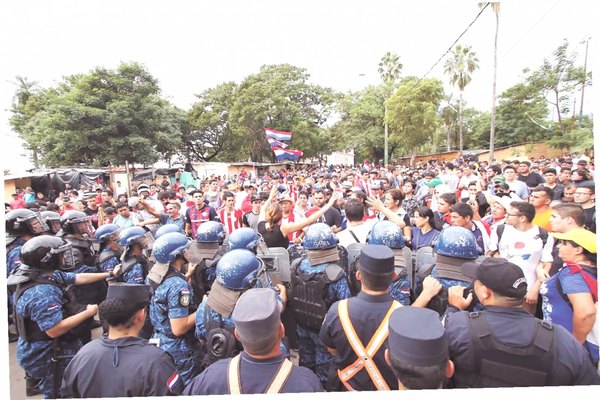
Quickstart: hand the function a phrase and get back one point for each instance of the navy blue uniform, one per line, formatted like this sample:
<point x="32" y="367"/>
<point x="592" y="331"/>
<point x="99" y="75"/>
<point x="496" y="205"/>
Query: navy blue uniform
<point x="515" y="326"/>
<point x="366" y="313"/>
<point x="123" y="367"/>
<point x="109" y="264"/>
<point x="255" y="377"/>
<point x="172" y="299"/>
<point x="400" y="290"/>
<point x="42" y="304"/>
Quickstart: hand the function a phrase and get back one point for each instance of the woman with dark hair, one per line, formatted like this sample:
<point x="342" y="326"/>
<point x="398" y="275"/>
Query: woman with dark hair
<point x="393" y="201"/>
<point x="121" y="363"/>
<point x="569" y="297"/>
<point x="442" y="216"/>
<point x="581" y="177"/>
<point x="410" y="202"/>
<point x="423" y="234"/>
<point x="275" y="233"/>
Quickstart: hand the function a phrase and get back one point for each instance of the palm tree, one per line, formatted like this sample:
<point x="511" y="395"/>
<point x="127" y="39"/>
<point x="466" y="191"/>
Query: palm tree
<point x="460" y="67"/>
<point x="389" y="71"/>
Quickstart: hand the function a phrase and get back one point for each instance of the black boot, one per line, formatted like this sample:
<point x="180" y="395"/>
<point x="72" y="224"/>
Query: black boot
<point x="12" y="337"/>
<point x="31" y="387"/>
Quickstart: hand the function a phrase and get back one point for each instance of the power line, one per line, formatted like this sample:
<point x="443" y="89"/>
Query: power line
<point x="452" y="45"/>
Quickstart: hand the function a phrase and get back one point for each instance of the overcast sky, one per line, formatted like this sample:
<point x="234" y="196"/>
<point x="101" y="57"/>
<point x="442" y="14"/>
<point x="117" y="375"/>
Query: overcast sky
<point x="190" y="46"/>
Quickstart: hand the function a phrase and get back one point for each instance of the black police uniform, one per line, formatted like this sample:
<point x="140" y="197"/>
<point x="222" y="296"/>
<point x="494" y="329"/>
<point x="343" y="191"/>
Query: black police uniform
<point x="366" y="311"/>
<point x="566" y="363"/>
<point x="123" y="367"/>
<point x="255" y="377"/>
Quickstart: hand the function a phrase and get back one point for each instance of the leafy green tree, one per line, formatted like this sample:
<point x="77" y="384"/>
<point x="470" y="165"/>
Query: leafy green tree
<point x="280" y="97"/>
<point x="389" y="70"/>
<point x="557" y="79"/>
<point x="412" y="112"/>
<point x="521" y="116"/>
<point x="210" y="135"/>
<point x="460" y="67"/>
<point x="102" y="118"/>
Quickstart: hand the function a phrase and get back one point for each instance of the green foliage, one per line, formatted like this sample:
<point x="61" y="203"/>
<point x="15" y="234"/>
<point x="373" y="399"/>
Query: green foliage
<point x="576" y="140"/>
<point x="101" y="118"/>
<point x="280" y="97"/>
<point x="412" y="112"/>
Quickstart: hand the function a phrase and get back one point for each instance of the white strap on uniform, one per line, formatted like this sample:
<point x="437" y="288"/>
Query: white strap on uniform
<point x="233" y="376"/>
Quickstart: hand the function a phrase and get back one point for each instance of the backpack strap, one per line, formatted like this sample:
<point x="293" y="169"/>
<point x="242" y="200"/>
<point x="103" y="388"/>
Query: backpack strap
<point x="365" y="355"/>
<point x="277" y="383"/>
<point x="354" y="236"/>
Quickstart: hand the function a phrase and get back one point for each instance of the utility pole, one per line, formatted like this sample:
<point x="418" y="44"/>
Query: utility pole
<point x="587" y="42"/>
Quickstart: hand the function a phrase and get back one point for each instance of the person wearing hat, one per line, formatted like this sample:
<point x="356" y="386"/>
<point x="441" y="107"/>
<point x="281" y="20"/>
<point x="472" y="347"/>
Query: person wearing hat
<point x="122" y="364"/>
<point x="289" y="215"/>
<point x="261" y="367"/>
<point x="418" y="349"/>
<point x="504" y="345"/>
<point x="498" y="209"/>
<point x="569" y="297"/>
<point x="351" y="323"/>
<point x="198" y="213"/>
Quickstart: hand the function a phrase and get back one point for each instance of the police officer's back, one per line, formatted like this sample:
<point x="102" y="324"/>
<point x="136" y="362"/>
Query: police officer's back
<point x="122" y="364"/>
<point x="504" y="345"/>
<point x="261" y="367"/>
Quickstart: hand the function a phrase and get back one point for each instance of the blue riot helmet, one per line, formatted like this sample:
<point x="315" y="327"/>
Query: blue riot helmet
<point x="210" y="232"/>
<point x="167" y="228"/>
<point x="319" y="237"/>
<point x="458" y="242"/>
<point x="386" y="233"/>
<point x="107" y="232"/>
<point x="244" y="238"/>
<point x="52" y="219"/>
<point x="136" y="234"/>
<point x="77" y="222"/>
<point x="169" y="247"/>
<point x="237" y="269"/>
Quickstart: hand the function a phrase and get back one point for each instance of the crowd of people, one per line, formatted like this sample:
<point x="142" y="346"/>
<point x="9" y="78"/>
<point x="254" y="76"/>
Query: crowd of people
<point x="442" y="275"/>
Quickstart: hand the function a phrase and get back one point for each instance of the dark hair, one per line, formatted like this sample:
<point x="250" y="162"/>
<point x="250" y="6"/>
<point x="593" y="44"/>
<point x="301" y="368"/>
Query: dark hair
<point x="412" y="183"/>
<point x="525" y="209"/>
<point x="53" y="207"/>
<point x="374" y="281"/>
<point x="417" y="377"/>
<point x="496" y="169"/>
<point x="450" y="166"/>
<point x="118" y="313"/>
<point x="572" y="210"/>
<point x="360" y="194"/>
<point x="109" y="210"/>
<point x="462" y="209"/>
<point x="541" y="188"/>
<point x="355" y="211"/>
<point x="590" y="186"/>
<point x="121" y="205"/>
<point x="164" y="196"/>
<point x="509" y="166"/>
<point x="425" y="212"/>
<point x="108" y="192"/>
<point x="449" y="198"/>
<point x="550" y="171"/>
<point x="227" y="195"/>
<point x="303" y="192"/>
<point x="585" y="176"/>
<point x="397" y="195"/>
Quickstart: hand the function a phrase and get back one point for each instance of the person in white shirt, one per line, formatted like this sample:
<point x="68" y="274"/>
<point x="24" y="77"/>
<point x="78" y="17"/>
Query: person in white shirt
<point x="356" y="230"/>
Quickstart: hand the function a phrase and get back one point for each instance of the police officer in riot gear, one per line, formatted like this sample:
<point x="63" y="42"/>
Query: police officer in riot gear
<point x="208" y="249"/>
<point x="77" y="230"/>
<point x="167" y="228"/>
<point x="134" y="240"/>
<point x="21" y="225"/>
<point x="110" y="251"/>
<point x="52" y="219"/>
<point x="455" y="246"/>
<point x="390" y="234"/>
<point x="237" y="271"/>
<point x="172" y="308"/>
<point x="317" y="282"/>
<point x="244" y="238"/>
<point x="504" y="345"/>
<point x="46" y="314"/>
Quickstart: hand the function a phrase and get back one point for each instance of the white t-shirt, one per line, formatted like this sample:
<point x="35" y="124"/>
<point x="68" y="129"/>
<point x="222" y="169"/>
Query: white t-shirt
<point x="360" y="231"/>
<point x="524" y="249"/>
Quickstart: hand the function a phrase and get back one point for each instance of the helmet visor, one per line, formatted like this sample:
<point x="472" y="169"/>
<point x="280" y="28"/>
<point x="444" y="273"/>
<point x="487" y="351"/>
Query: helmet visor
<point x="54" y="225"/>
<point x="146" y="241"/>
<point x="36" y="224"/>
<point x="65" y="254"/>
<point x="83" y="226"/>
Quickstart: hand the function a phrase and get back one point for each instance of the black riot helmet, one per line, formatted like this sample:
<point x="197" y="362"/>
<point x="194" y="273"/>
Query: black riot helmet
<point x="46" y="253"/>
<point x="52" y="219"/>
<point x="77" y="222"/>
<point x="24" y="221"/>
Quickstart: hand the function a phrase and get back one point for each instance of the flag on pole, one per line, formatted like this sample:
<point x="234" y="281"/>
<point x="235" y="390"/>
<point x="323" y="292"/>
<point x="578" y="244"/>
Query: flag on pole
<point x="276" y="143"/>
<point x="366" y="165"/>
<point x="278" y="135"/>
<point x="282" y="154"/>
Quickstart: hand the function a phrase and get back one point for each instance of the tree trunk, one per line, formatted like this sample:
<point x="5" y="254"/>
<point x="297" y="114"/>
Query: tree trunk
<point x="460" y="124"/>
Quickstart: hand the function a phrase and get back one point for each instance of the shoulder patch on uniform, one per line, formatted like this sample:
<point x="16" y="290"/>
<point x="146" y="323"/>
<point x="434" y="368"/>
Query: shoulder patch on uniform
<point x="184" y="297"/>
